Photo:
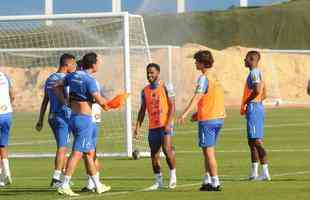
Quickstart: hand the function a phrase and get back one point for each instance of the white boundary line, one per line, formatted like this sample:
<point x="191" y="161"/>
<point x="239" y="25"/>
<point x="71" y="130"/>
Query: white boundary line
<point x="244" y="128"/>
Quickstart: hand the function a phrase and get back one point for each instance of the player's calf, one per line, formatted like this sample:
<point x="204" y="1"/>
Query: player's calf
<point x="170" y="158"/>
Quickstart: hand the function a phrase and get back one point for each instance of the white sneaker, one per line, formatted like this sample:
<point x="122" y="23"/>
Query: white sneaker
<point x="103" y="188"/>
<point x="172" y="183"/>
<point x="2" y="184"/>
<point x="156" y="186"/>
<point x="67" y="192"/>
<point x="264" y="178"/>
<point x="7" y="180"/>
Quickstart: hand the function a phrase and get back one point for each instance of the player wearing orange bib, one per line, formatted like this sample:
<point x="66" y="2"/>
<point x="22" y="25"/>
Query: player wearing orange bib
<point x="252" y="107"/>
<point x="158" y="100"/>
<point x="209" y="100"/>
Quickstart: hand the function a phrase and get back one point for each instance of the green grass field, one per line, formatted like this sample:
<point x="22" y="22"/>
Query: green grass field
<point x="287" y="141"/>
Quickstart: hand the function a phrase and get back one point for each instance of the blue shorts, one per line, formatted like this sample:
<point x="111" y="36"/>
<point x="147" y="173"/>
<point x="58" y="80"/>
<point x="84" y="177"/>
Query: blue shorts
<point x="255" y="120"/>
<point x="5" y="126"/>
<point x="60" y="127"/>
<point x="82" y="129"/>
<point x="156" y="136"/>
<point x="208" y="132"/>
<point x="95" y="133"/>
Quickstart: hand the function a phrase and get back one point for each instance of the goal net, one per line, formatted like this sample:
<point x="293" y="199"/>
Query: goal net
<point x="30" y="48"/>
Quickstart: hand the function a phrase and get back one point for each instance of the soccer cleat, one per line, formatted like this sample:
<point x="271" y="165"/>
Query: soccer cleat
<point x="208" y="187"/>
<point x="205" y="187"/>
<point x="86" y="189"/>
<point x="172" y="183"/>
<point x="67" y="192"/>
<point x="7" y="180"/>
<point x="264" y="178"/>
<point x="156" y="186"/>
<point x="216" y="189"/>
<point x="103" y="188"/>
<point x="55" y="183"/>
<point x="253" y="178"/>
<point x="2" y="184"/>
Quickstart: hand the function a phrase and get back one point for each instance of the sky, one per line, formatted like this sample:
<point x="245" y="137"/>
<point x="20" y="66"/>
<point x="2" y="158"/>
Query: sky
<point x="27" y="7"/>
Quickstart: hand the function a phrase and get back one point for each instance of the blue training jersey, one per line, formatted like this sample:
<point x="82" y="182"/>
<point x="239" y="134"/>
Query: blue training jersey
<point x="202" y="85"/>
<point x="55" y="104"/>
<point x="82" y="85"/>
<point x="255" y="76"/>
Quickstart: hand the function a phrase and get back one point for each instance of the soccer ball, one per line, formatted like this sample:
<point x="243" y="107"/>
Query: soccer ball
<point x="278" y="102"/>
<point x="136" y="154"/>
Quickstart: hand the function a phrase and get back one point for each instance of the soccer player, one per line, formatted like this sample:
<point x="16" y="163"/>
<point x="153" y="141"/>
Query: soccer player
<point x="83" y="90"/>
<point x="58" y="117"/>
<point x="209" y="100"/>
<point x="158" y="100"/>
<point x="96" y="120"/>
<point x="253" y="108"/>
<point x="6" y="100"/>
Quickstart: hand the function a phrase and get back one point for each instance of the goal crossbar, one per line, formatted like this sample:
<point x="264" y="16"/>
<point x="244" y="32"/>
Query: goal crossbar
<point x="64" y="16"/>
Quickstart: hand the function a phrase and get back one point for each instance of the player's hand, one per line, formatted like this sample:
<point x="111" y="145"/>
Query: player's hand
<point x="39" y="126"/>
<point x="194" y="117"/>
<point x="243" y="109"/>
<point x="181" y="119"/>
<point x="168" y="128"/>
<point x="136" y="133"/>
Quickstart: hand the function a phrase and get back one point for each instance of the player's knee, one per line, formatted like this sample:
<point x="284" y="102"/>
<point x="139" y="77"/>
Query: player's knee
<point x="167" y="151"/>
<point x="76" y="154"/>
<point x="154" y="155"/>
<point x="62" y="150"/>
<point x="258" y="143"/>
<point x="90" y="155"/>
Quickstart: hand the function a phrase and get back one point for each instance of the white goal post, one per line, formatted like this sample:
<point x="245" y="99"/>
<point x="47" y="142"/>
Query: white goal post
<point x="27" y="44"/>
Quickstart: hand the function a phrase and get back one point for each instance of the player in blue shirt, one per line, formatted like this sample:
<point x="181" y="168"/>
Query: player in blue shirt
<point x="58" y="117"/>
<point x="6" y="109"/>
<point x="96" y="119"/>
<point x="83" y="93"/>
<point x="252" y="107"/>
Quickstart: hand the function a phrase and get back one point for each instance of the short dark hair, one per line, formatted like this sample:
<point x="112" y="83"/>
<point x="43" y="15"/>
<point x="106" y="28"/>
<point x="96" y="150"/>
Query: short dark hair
<point x="89" y="60"/>
<point x="205" y="57"/>
<point x="64" y="57"/>
<point x="155" y="65"/>
<point x="254" y="53"/>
